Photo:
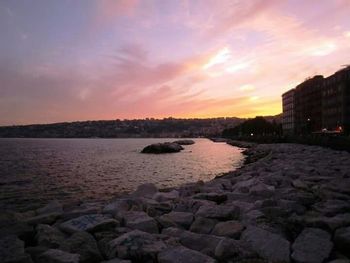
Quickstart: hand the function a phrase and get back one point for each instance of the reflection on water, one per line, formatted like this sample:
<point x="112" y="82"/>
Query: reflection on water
<point x="33" y="171"/>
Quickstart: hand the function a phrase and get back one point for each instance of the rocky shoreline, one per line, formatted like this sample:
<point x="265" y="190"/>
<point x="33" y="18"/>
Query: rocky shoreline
<point x="288" y="203"/>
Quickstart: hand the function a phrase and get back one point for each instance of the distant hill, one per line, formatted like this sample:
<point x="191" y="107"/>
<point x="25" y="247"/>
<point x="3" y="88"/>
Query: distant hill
<point x="168" y="127"/>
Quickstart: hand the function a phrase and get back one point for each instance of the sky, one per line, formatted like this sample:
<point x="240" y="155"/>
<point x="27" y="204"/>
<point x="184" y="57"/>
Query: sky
<point x="72" y="60"/>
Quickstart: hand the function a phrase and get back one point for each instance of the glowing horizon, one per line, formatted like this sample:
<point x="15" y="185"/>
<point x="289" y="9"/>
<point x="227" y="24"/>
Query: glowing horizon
<point x="132" y="59"/>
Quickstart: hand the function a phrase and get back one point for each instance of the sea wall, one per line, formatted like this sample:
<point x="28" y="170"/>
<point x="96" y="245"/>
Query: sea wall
<point x="291" y="203"/>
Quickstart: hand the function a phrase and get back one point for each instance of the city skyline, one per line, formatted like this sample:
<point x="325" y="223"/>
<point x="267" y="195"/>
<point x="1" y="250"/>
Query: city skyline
<point x="83" y="60"/>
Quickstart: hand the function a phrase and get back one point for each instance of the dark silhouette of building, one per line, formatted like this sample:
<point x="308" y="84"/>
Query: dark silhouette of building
<point x="288" y="116"/>
<point x="336" y="101"/>
<point x="308" y="105"/>
<point x="318" y="105"/>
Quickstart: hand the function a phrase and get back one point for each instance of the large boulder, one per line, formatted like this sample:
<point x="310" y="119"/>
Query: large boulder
<point x="49" y="236"/>
<point x="268" y="245"/>
<point x="90" y="223"/>
<point x="10" y="224"/>
<point x="116" y="260"/>
<point x="48" y="218"/>
<point x="177" y="219"/>
<point x="230" y="250"/>
<point x="313" y="245"/>
<point x="185" y="142"/>
<point x="181" y="254"/>
<point x="342" y="240"/>
<point x="141" y="221"/>
<point x="215" y="197"/>
<point x="220" y="212"/>
<point x="136" y="245"/>
<point x="52" y="207"/>
<point x="84" y="244"/>
<point x="58" y="256"/>
<point x="12" y="251"/>
<point x="145" y="190"/>
<point x="230" y="228"/>
<point x="166" y="196"/>
<point x="166" y="147"/>
<point x="201" y="242"/>
<point x="202" y="225"/>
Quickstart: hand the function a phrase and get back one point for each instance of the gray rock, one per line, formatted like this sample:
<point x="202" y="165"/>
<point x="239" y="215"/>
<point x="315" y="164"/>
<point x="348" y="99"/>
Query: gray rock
<point x="231" y="229"/>
<point x="49" y="236"/>
<point x="215" y="197"/>
<point x="84" y="244"/>
<point x="58" y="256"/>
<point x="313" y="245"/>
<point x="84" y="209"/>
<point x="12" y="251"/>
<point x="332" y="207"/>
<point x="252" y="217"/>
<point x="220" y="212"/>
<point x="116" y="260"/>
<point x="10" y="224"/>
<point x="135" y="245"/>
<point x="120" y="205"/>
<point x="179" y="219"/>
<point x="166" y="147"/>
<point x="233" y="250"/>
<point x="166" y="196"/>
<point x="195" y="204"/>
<point x="262" y="190"/>
<point x="300" y="184"/>
<point x="181" y="254"/>
<point x="324" y="222"/>
<point x="202" y="225"/>
<point x="185" y="142"/>
<point x="141" y="221"/>
<point x="48" y="219"/>
<point x="52" y="207"/>
<point x="268" y="245"/>
<point x="203" y="243"/>
<point x="35" y="252"/>
<point x="342" y="240"/>
<point x="90" y="223"/>
<point x="145" y="190"/>
<point x="154" y="208"/>
<point x="341" y="260"/>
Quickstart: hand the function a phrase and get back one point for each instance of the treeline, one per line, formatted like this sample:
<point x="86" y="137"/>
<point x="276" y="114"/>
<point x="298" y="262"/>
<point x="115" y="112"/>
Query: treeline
<point x="258" y="126"/>
<point x="259" y="130"/>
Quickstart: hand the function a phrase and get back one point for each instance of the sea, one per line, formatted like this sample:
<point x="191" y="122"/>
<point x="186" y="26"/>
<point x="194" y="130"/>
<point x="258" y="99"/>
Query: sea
<point x="35" y="171"/>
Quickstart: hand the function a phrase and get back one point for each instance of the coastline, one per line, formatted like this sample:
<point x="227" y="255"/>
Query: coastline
<point x="288" y="202"/>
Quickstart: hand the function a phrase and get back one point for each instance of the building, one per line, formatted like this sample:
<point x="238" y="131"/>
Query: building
<point x="318" y="105"/>
<point x="308" y="105"/>
<point x="288" y="120"/>
<point x="336" y="101"/>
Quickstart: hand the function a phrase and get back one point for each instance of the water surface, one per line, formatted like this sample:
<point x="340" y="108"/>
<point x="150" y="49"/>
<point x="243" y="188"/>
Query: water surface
<point x="33" y="171"/>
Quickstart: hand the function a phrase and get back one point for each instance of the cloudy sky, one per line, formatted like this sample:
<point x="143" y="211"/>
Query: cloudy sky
<point x="72" y="60"/>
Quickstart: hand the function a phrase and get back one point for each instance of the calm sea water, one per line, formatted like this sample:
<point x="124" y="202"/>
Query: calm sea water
<point x="33" y="171"/>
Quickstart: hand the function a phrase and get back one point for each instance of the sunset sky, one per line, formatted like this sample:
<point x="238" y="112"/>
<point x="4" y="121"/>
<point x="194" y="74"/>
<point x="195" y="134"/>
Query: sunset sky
<point x="66" y="60"/>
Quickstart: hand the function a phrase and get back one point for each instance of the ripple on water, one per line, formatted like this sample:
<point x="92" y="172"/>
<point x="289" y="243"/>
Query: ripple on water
<point x="33" y="171"/>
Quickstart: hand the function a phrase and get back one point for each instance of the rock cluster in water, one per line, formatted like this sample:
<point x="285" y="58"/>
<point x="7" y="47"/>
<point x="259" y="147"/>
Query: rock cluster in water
<point x="167" y="147"/>
<point x="292" y="205"/>
<point x="184" y="142"/>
